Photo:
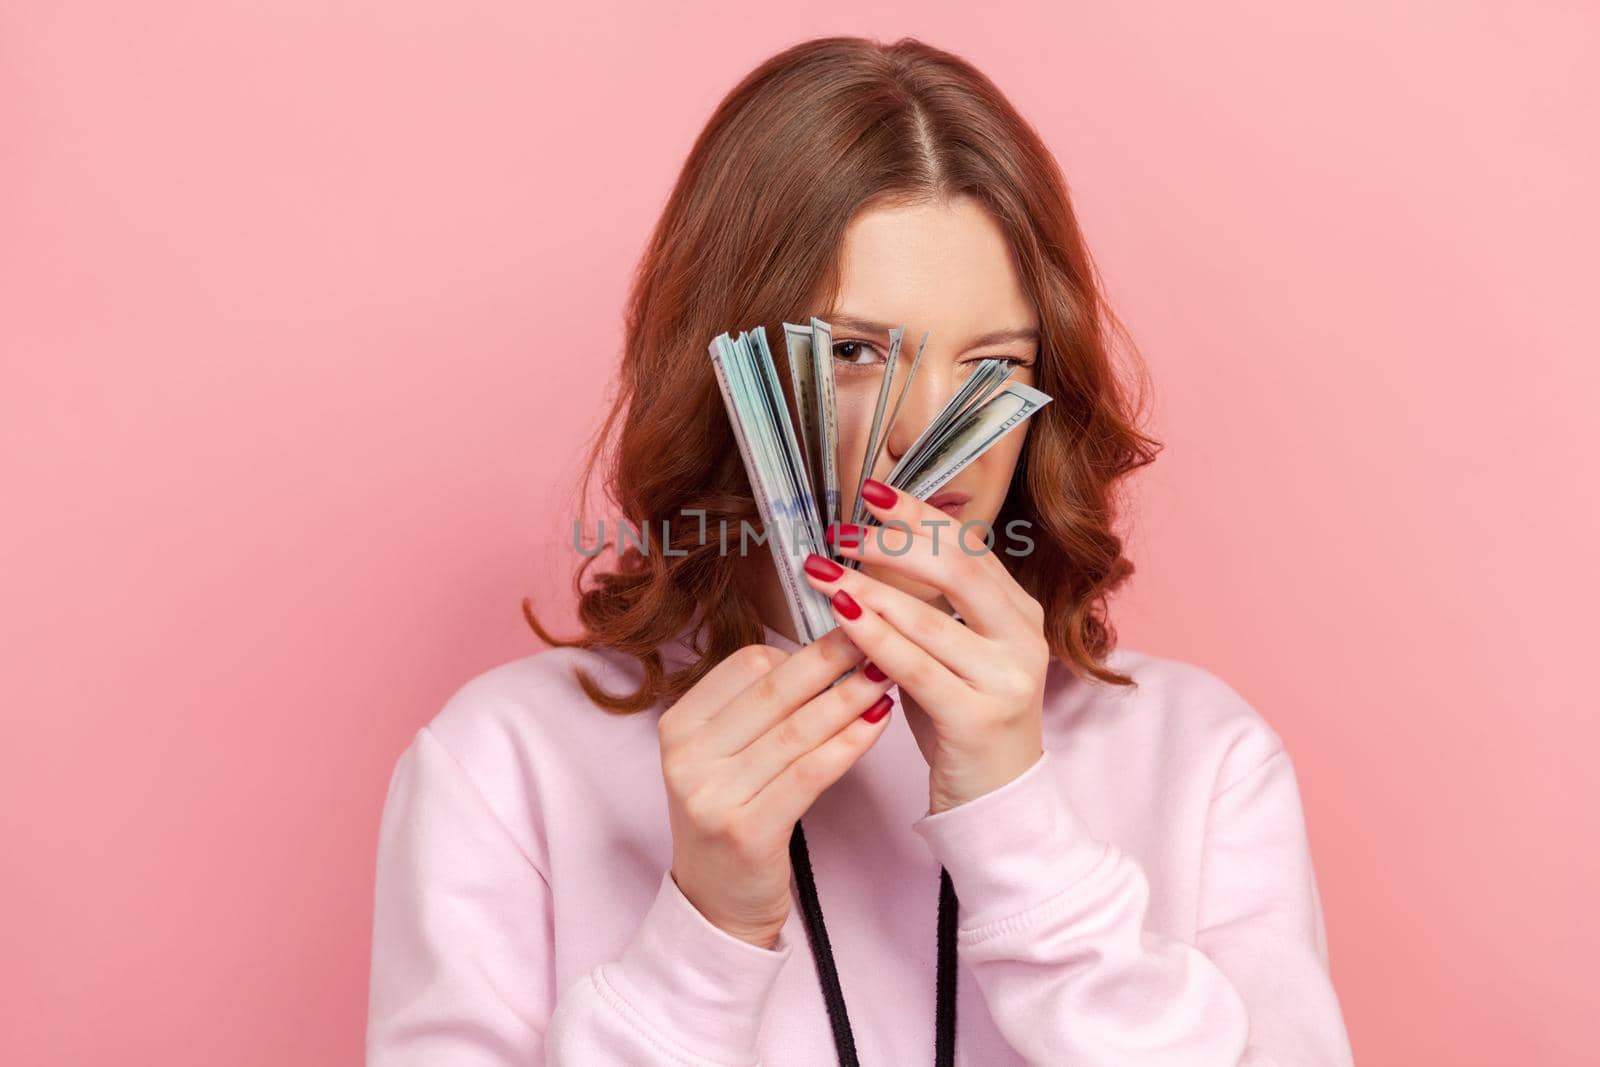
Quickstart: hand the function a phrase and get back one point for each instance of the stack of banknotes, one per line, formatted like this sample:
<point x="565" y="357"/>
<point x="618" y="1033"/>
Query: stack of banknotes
<point x="793" y="462"/>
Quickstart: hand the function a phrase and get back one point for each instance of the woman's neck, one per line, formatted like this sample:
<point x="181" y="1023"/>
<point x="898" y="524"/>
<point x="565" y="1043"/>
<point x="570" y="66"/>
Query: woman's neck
<point x="759" y="576"/>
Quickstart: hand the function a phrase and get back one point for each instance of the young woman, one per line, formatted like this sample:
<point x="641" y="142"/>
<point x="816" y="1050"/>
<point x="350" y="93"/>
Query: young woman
<point x="1060" y="852"/>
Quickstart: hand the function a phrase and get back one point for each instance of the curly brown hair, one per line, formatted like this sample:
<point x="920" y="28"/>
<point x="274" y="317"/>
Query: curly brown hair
<point x="807" y="140"/>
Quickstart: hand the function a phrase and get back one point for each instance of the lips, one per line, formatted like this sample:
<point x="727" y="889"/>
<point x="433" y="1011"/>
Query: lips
<point x="949" y="501"/>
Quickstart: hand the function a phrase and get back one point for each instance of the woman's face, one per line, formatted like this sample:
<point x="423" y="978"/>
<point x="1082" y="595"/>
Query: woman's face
<point x="945" y="268"/>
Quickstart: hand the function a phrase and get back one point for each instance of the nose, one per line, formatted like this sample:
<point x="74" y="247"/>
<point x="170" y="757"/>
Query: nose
<point x="930" y="390"/>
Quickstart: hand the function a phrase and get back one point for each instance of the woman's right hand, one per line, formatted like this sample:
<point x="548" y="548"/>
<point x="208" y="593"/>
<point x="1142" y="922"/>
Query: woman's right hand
<point x="745" y="753"/>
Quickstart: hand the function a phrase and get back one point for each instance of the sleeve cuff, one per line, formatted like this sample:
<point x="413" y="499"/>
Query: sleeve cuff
<point x="1012" y="848"/>
<point x="692" y="980"/>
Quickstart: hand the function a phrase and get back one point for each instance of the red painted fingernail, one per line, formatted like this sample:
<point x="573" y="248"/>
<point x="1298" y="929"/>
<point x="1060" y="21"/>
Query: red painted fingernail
<point x="878" y="494"/>
<point x="847" y="530"/>
<point x="879" y="709"/>
<point x="846" y="605"/>
<point x="873" y="673"/>
<point x="823" y="568"/>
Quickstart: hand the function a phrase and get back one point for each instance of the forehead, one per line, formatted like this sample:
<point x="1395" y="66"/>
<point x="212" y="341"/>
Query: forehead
<point x="942" y="266"/>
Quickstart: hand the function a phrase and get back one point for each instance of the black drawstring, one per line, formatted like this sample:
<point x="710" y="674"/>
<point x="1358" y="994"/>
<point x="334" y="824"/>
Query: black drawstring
<point x="944" y="1021"/>
<point x="944" y="1014"/>
<point x="817" y="934"/>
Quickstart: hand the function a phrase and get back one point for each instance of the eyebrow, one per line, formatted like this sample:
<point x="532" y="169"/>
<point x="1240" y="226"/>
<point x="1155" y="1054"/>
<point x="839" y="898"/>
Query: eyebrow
<point x="878" y="329"/>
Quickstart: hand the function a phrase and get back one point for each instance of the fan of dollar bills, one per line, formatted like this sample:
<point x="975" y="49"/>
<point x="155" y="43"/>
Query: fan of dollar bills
<point x="793" y="463"/>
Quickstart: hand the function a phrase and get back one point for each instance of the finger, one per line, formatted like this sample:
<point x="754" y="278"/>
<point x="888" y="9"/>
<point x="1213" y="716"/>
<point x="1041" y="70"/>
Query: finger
<point x="771" y="697"/>
<point x="795" y="736"/>
<point x="965" y="582"/>
<point x="722" y="683"/>
<point x="792" y="792"/>
<point x="886" y="503"/>
<point x="916" y="672"/>
<point x="958" y="647"/>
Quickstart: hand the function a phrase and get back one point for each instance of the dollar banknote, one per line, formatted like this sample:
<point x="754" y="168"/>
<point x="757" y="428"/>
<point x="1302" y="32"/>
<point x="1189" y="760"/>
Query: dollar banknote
<point x="793" y="462"/>
<point x="770" y="449"/>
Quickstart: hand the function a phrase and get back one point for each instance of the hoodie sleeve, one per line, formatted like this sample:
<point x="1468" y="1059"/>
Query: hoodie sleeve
<point x="463" y="967"/>
<point x="1052" y="925"/>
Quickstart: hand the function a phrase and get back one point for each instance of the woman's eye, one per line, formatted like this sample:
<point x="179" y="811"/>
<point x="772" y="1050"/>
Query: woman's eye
<point x="855" y="353"/>
<point x="1014" y="361"/>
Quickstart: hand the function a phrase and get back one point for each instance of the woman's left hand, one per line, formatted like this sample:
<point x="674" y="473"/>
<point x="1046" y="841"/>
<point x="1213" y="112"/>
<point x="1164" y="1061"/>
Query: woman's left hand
<point x="973" y="692"/>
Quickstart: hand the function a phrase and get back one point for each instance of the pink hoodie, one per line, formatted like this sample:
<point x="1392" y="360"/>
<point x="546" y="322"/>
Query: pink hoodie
<point x="1143" y="894"/>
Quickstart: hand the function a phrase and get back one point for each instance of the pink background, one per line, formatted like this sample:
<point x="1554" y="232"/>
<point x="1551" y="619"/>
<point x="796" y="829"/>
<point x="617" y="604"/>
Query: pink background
<point x="306" y="307"/>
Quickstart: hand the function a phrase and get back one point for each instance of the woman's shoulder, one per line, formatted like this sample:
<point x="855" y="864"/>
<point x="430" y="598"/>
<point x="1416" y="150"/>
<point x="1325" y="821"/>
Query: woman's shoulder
<point x="1179" y="709"/>
<point x="535" y="698"/>
<point x="524" y="730"/>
